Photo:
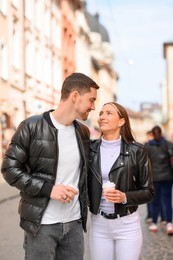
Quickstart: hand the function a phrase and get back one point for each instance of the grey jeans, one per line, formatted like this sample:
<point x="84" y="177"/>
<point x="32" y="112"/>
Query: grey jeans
<point x="56" y="242"/>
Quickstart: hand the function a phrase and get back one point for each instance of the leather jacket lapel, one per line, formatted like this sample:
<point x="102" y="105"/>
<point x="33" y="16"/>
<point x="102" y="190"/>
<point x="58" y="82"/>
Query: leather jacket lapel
<point x="95" y="164"/>
<point x="121" y="161"/>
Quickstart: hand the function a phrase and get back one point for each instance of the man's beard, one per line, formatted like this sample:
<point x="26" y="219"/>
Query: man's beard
<point x="84" y="116"/>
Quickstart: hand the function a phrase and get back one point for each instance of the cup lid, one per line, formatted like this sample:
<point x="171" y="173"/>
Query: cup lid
<point x="108" y="184"/>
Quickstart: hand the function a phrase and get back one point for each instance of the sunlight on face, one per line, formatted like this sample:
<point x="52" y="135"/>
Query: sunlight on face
<point x="86" y="103"/>
<point x="109" y="119"/>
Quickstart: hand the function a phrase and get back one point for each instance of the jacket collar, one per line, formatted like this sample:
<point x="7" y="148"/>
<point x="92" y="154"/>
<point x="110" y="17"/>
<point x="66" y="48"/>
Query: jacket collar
<point x="124" y="150"/>
<point x="120" y="162"/>
<point x="46" y="116"/>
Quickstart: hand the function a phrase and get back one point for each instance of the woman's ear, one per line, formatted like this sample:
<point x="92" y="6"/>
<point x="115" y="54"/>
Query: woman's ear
<point x="121" y="122"/>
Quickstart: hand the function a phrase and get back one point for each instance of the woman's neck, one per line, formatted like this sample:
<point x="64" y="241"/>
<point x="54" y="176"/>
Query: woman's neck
<point x="111" y="137"/>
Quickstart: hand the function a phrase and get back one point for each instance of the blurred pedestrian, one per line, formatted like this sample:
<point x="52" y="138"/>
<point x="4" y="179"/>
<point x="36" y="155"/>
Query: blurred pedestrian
<point x="149" y="136"/>
<point x="159" y="152"/>
<point x="116" y="157"/>
<point x="149" y="220"/>
<point x="46" y="161"/>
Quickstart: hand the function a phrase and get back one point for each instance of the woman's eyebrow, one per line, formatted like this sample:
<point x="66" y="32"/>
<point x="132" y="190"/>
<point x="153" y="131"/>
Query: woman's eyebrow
<point x="110" y="111"/>
<point x="106" y="111"/>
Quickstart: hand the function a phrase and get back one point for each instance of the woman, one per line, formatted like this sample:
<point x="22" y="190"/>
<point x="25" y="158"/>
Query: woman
<point x="116" y="157"/>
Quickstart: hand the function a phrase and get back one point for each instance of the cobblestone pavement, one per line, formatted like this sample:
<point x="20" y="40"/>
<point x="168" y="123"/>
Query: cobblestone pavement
<point x="156" y="246"/>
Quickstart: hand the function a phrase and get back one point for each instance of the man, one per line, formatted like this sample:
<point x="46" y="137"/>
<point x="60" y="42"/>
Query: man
<point x="149" y="136"/>
<point x="47" y="161"/>
<point x="159" y="151"/>
<point x="149" y="220"/>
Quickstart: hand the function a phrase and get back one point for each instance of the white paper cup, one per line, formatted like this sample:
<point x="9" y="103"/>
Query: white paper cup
<point x="108" y="185"/>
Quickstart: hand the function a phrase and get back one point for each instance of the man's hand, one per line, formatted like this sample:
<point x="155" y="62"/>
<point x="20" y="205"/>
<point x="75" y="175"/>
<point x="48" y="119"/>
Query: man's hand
<point x="63" y="193"/>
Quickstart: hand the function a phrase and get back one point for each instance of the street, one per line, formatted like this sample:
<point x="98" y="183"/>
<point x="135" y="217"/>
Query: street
<point x="11" y="235"/>
<point x="156" y="246"/>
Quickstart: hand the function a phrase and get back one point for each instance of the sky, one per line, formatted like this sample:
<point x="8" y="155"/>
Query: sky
<point x="137" y="30"/>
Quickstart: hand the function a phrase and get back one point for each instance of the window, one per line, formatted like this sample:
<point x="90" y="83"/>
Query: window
<point x="29" y="9"/>
<point x="16" y="57"/>
<point x="29" y="54"/>
<point x="57" y="74"/>
<point x="15" y="3"/>
<point x="47" y="23"/>
<point x="3" y="61"/>
<point x="47" y="66"/>
<point x="4" y="7"/>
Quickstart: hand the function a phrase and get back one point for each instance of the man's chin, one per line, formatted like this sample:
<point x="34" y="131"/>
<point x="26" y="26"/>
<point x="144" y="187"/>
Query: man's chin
<point x="84" y="117"/>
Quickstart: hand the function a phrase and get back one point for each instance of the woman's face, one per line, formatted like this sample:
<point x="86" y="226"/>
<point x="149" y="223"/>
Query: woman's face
<point x="109" y="120"/>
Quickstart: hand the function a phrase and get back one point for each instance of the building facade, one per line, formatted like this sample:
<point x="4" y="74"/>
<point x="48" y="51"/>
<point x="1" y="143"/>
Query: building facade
<point x="41" y="42"/>
<point x="168" y="90"/>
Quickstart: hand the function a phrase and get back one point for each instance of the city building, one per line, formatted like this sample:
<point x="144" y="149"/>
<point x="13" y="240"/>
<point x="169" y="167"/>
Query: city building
<point x="41" y="42"/>
<point x="168" y="90"/>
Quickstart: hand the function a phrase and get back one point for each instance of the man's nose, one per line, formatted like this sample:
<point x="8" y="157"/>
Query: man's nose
<point x="93" y="107"/>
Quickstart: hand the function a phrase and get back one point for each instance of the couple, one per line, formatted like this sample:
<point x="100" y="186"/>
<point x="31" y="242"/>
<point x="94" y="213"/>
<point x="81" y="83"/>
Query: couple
<point x="47" y="160"/>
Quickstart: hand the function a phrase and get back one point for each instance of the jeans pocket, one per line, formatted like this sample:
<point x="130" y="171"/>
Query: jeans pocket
<point x="132" y="218"/>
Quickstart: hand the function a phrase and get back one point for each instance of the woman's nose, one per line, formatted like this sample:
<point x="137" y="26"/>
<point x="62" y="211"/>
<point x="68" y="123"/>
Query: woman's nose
<point x="102" y="116"/>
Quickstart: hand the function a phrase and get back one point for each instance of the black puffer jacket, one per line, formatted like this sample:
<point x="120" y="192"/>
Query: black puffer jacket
<point x="131" y="173"/>
<point x="30" y="165"/>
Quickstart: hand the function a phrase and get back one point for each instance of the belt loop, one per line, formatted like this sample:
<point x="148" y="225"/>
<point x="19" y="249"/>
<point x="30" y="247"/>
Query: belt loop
<point x="128" y="212"/>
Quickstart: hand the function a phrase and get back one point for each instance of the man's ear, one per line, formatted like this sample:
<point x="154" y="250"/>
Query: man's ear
<point x="74" y="95"/>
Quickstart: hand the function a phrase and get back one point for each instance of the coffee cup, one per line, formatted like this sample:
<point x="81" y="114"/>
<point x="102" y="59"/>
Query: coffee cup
<point x="108" y="185"/>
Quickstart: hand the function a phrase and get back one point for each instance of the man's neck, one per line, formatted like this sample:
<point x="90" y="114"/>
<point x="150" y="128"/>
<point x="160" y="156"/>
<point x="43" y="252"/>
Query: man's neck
<point x="63" y="114"/>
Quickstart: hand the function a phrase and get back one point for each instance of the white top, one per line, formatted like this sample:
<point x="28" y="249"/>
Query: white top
<point x="68" y="172"/>
<point x="109" y="151"/>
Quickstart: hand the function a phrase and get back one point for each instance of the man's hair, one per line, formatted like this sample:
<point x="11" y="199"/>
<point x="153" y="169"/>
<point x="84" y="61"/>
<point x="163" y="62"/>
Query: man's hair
<point x="156" y="129"/>
<point x="79" y="82"/>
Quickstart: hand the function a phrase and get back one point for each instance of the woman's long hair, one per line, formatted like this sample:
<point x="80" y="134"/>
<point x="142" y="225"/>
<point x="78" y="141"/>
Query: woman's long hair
<point x="126" y="132"/>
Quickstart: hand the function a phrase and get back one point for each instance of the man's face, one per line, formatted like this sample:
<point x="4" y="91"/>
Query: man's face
<point x="157" y="135"/>
<point x="85" y="103"/>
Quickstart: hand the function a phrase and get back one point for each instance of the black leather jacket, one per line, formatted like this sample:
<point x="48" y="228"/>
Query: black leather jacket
<point x="131" y="173"/>
<point x="30" y="165"/>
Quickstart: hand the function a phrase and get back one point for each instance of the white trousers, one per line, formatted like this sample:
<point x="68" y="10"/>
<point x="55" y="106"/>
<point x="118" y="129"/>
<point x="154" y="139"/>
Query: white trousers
<point x="119" y="239"/>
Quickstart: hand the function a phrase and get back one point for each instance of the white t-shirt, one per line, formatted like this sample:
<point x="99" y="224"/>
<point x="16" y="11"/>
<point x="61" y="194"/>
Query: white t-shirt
<point x="68" y="172"/>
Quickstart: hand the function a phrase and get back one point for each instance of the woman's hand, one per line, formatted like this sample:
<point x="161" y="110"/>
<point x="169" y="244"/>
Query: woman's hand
<point x="115" y="196"/>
